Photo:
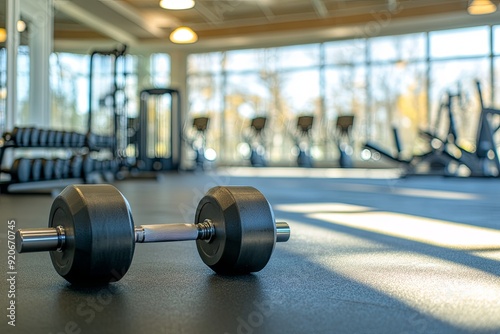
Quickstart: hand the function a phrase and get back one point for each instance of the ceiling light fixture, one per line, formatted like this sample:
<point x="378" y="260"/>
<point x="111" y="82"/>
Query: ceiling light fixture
<point x="3" y="35"/>
<point x="481" y="7"/>
<point x="183" y="35"/>
<point x="21" y="26"/>
<point x="176" y="4"/>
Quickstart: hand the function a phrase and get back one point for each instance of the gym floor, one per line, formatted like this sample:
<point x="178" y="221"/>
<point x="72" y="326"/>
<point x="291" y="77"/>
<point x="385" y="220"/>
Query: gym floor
<point x="369" y="253"/>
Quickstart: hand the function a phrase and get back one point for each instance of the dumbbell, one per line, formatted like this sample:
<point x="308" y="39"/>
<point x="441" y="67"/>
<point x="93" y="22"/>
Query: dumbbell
<point x="35" y="137"/>
<point x="98" y="164"/>
<point x="90" y="140"/>
<point x="51" y="138"/>
<point x="76" y="166"/>
<point x="66" y="139"/>
<point x="114" y="165"/>
<point x="58" y="169"/>
<point x="36" y="169"/>
<point x="66" y="168"/>
<point x="106" y="165"/>
<point x="27" y="133"/>
<point x="75" y="139"/>
<point x="81" y="140"/>
<point x="87" y="166"/>
<point x="44" y="137"/>
<point x="17" y="136"/>
<point x="21" y="169"/>
<point x="91" y="235"/>
<point x="47" y="169"/>
<point x="58" y="142"/>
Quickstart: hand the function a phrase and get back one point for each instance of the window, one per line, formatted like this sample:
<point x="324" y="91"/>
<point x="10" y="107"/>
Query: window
<point x="460" y="43"/>
<point x="299" y="56"/>
<point x="398" y="96"/>
<point x="205" y="63"/>
<point x="398" y="48"/>
<point x="345" y="52"/>
<point x="395" y="86"/>
<point x="160" y="70"/>
<point x="243" y="60"/>
<point x="459" y="76"/>
<point x="496" y="40"/>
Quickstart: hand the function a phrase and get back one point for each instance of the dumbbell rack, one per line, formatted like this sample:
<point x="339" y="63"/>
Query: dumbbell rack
<point x="55" y="173"/>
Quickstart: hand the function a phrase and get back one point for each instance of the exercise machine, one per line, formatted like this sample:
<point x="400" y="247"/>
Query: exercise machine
<point x="343" y="139"/>
<point x="255" y="139"/>
<point x="303" y="141"/>
<point x="159" y="130"/>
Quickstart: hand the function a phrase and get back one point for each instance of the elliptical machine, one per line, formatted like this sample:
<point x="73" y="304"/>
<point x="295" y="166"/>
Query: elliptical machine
<point x="303" y="140"/>
<point x="198" y="142"/>
<point x="256" y="141"/>
<point x="343" y="139"/>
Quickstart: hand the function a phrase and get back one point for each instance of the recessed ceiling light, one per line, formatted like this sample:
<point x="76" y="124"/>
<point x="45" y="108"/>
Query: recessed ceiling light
<point x="177" y="4"/>
<point x="183" y="35"/>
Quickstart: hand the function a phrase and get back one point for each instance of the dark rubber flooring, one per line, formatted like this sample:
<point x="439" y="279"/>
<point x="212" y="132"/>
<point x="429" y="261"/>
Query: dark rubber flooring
<point x="369" y="253"/>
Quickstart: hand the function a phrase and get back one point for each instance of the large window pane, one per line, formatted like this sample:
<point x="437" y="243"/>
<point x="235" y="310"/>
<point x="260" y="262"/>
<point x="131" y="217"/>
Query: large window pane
<point x="160" y="70"/>
<point x="397" y="48"/>
<point x="496" y="40"/>
<point x="205" y="99"/>
<point x="300" y="95"/>
<point x="69" y="79"/>
<point x="243" y="60"/>
<point x="345" y="94"/>
<point x="496" y="91"/>
<point x="398" y="97"/>
<point x="247" y="96"/>
<point x="459" y="76"/>
<point x="460" y="42"/>
<point x="345" y="52"/>
<point x="205" y="63"/>
<point x="23" y="85"/>
<point x="3" y="88"/>
<point x="298" y="56"/>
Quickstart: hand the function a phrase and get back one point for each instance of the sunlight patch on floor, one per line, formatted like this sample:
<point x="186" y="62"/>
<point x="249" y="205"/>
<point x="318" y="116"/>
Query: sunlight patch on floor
<point x="430" y="231"/>
<point x="451" y="292"/>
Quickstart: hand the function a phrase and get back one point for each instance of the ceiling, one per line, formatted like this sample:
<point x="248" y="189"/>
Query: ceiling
<point x="249" y="23"/>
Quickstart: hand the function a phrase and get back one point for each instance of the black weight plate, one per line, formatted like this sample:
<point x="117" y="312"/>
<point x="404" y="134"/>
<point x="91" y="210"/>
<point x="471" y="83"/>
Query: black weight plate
<point x="98" y="165"/>
<point x="74" y="139"/>
<point x="106" y="165"/>
<point x="21" y="169"/>
<point x="17" y="136"/>
<point x="36" y="170"/>
<point x="99" y="233"/>
<point x="58" y="140"/>
<point x="81" y="140"/>
<point x="76" y="166"/>
<point x="26" y="141"/>
<point x="43" y="138"/>
<point x="245" y="231"/>
<point x="47" y="169"/>
<point x="66" y="168"/>
<point x="66" y="139"/>
<point x="58" y="168"/>
<point x="88" y="166"/>
<point x="92" y="140"/>
<point x="114" y="165"/>
<point x="51" y="138"/>
<point x="35" y="137"/>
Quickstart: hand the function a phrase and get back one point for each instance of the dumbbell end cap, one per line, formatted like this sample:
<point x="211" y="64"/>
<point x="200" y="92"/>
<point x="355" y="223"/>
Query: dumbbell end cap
<point x="38" y="240"/>
<point x="282" y="232"/>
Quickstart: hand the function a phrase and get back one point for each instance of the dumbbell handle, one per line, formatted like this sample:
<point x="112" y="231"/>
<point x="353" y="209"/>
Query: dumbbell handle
<point x="53" y="239"/>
